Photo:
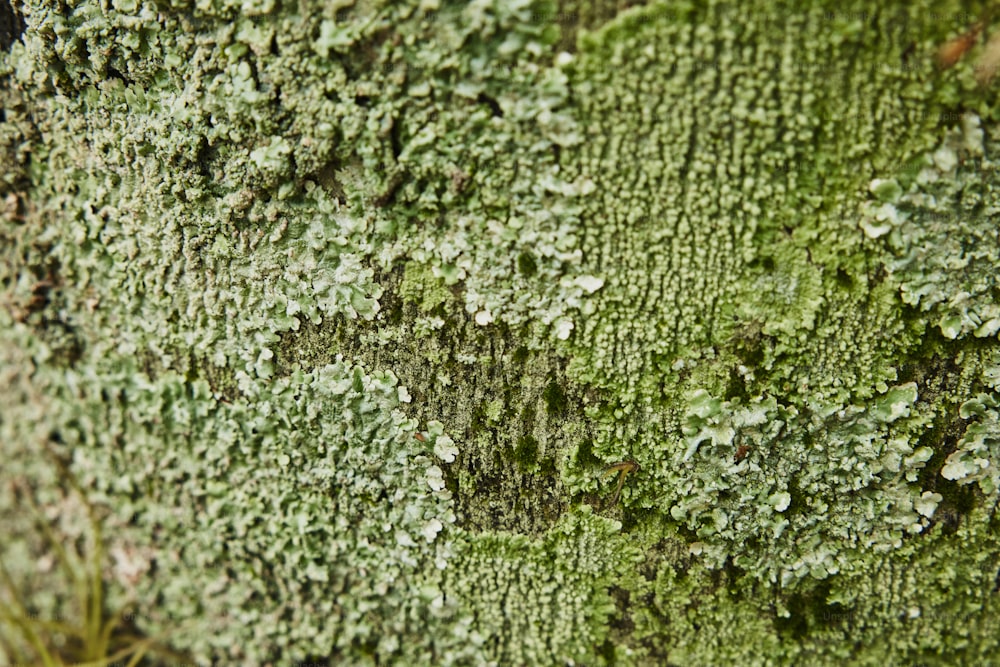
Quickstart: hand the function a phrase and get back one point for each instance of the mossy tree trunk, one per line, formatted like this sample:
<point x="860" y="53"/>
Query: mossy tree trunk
<point x="502" y="332"/>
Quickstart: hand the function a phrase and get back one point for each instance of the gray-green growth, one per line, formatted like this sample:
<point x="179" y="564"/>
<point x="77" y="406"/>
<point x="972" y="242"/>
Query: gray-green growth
<point x="341" y="310"/>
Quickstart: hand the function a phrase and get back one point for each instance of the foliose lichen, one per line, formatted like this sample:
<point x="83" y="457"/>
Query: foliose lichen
<point x="256" y="250"/>
<point x="942" y="233"/>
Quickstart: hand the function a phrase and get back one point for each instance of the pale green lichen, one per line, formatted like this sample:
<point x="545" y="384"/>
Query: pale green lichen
<point x="977" y="458"/>
<point x="304" y="509"/>
<point x="933" y="600"/>
<point x="943" y="234"/>
<point x="690" y="241"/>
<point x="811" y="491"/>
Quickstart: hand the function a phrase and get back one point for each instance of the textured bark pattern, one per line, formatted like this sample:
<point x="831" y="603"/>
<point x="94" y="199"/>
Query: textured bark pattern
<point x="340" y="314"/>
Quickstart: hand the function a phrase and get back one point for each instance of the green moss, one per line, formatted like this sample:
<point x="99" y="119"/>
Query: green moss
<point x="420" y="287"/>
<point x="547" y="466"/>
<point x="558" y="581"/>
<point x="584" y="455"/>
<point x="520" y="355"/>
<point x="762" y="263"/>
<point x="526" y="452"/>
<point x="526" y="264"/>
<point x="555" y="398"/>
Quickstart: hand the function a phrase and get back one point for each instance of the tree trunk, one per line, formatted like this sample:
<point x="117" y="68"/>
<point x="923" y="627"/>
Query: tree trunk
<point x="500" y="332"/>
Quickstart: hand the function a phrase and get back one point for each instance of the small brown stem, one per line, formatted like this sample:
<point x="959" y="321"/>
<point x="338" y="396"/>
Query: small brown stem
<point x="623" y="468"/>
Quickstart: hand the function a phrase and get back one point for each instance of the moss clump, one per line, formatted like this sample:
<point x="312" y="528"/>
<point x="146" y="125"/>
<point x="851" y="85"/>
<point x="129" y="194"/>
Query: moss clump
<point x="526" y="452"/>
<point x="420" y="287"/>
<point x="555" y="399"/>
<point x="526" y="264"/>
<point x="520" y="355"/>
